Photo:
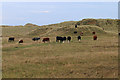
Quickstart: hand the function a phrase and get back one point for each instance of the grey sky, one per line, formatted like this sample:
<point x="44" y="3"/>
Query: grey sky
<point x="43" y="13"/>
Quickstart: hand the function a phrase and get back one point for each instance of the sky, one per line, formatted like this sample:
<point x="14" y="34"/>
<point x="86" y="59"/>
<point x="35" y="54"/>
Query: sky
<point x="44" y="13"/>
<point x="59" y="0"/>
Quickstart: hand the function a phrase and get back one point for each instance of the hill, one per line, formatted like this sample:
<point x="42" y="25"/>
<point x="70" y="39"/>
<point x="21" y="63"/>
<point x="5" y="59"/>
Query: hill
<point x="87" y="58"/>
<point x="101" y="26"/>
<point x="107" y="24"/>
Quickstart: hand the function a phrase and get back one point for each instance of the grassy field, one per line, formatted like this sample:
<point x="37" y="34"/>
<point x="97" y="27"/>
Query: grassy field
<point x="84" y="59"/>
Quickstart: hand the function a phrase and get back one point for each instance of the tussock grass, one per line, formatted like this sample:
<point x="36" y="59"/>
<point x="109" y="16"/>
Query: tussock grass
<point x="84" y="59"/>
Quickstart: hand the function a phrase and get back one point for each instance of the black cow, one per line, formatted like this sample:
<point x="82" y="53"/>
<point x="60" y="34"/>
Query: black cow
<point x="75" y="32"/>
<point x="69" y="38"/>
<point x="36" y="39"/>
<point x="11" y="39"/>
<point x="93" y="32"/>
<point x="59" y="38"/>
<point x="79" y="38"/>
<point x="64" y="39"/>
<point x="75" y="26"/>
<point x="119" y="34"/>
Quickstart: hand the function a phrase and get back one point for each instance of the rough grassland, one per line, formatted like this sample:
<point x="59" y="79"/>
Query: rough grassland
<point x="84" y="59"/>
<point x="87" y="58"/>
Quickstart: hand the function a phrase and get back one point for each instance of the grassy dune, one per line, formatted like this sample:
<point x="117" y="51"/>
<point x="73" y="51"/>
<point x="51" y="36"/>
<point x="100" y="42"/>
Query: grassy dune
<point x="85" y="59"/>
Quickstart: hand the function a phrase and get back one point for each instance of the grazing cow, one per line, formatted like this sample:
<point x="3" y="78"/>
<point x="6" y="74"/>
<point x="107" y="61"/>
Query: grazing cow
<point x="103" y="28"/>
<point x="93" y="32"/>
<point x="64" y="39"/>
<point x="36" y="39"/>
<point x="46" y="39"/>
<point x="69" y="38"/>
<point x="11" y="39"/>
<point x="75" y="26"/>
<point x="58" y="38"/>
<point x="119" y="34"/>
<point x="21" y="41"/>
<point x="79" y="38"/>
<point x="75" y="32"/>
<point x="81" y="33"/>
<point x="95" y="37"/>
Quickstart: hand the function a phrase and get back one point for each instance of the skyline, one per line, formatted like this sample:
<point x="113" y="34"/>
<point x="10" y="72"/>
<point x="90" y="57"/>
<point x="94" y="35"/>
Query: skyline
<point x="44" y="13"/>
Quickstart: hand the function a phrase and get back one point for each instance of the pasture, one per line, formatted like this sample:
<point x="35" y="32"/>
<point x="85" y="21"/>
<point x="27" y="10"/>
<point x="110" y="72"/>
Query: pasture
<point x="84" y="59"/>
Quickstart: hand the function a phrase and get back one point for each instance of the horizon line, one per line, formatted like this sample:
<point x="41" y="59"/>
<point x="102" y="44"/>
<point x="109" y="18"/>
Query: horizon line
<point x="52" y="23"/>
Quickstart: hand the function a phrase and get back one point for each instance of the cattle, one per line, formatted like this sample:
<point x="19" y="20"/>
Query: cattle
<point x="75" y="32"/>
<point x="69" y="38"/>
<point x="79" y="38"/>
<point x="21" y="41"/>
<point x="81" y="33"/>
<point x="11" y="39"/>
<point x="36" y="39"/>
<point x="64" y="39"/>
<point x="46" y="39"/>
<point x="95" y="37"/>
<point x="93" y="32"/>
<point x="61" y="39"/>
<point x="119" y="34"/>
<point x="103" y="28"/>
<point x="75" y="26"/>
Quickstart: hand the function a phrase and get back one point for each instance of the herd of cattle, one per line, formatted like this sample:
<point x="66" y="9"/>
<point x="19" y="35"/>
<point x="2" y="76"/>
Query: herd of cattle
<point x="58" y="39"/>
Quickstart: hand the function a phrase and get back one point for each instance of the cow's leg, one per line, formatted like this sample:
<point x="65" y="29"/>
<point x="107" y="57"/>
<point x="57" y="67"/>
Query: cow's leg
<point x="68" y="41"/>
<point x="59" y="41"/>
<point x="49" y="41"/>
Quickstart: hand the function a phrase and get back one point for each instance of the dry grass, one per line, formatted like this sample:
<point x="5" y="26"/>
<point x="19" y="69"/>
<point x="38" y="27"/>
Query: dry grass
<point x="85" y="59"/>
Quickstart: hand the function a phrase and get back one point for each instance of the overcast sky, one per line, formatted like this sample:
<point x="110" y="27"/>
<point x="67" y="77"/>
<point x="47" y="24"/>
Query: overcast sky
<point x="43" y="13"/>
<point x="59" y="0"/>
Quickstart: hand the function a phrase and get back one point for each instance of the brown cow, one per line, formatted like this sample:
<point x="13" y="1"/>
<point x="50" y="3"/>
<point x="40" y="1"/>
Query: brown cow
<point x="20" y="41"/>
<point x="103" y="28"/>
<point x="81" y="33"/>
<point x="95" y="37"/>
<point x="46" y="39"/>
